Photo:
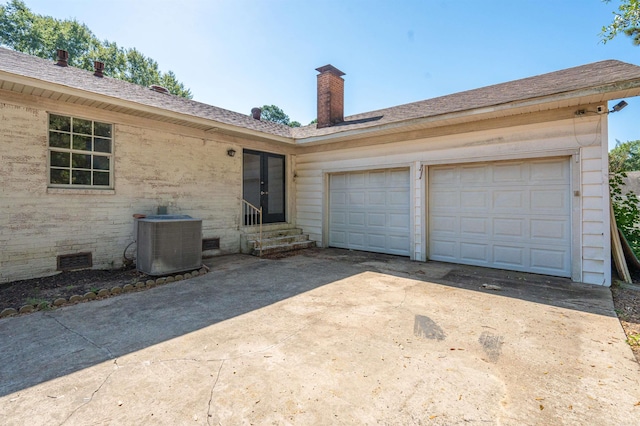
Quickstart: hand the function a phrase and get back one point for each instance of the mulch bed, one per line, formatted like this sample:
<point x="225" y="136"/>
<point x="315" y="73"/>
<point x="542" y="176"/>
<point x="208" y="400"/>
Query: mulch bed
<point x="65" y="284"/>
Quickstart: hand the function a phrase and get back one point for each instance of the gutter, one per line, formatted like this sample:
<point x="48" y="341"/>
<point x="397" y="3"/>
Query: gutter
<point x="426" y="122"/>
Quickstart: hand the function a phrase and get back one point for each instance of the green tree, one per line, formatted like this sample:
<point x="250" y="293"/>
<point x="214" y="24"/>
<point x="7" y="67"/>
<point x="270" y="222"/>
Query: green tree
<point x="625" y="157"/>
<point x="39" y="35"/>
<point x="277" y="115"/>
<point x="625" y="20"/>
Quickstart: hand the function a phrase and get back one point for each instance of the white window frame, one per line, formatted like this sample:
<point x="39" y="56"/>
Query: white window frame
<point x="92" y="169"/>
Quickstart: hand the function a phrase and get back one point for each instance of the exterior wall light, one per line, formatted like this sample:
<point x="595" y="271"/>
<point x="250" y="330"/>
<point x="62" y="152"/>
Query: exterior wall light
<point x="620" y="105"/>
<point x="231" y="152"/>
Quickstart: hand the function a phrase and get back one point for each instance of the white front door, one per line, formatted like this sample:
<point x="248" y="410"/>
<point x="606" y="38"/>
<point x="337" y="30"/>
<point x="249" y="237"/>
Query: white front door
<point x="509" y="215"/>
<point x="369" y="211"/>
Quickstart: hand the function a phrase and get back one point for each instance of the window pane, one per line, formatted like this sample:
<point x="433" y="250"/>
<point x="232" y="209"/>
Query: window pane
<point x="81" y="161"/>
<point x="60" y="159"/>
<point x="101" y="178"/>
<point x="102" y="145"/>
<point x="59" y="176"/>
<point x="82" y="126"/>
<point x="59" y="122"/>
<point x="102" y="129"/>
<point x="59" y="140"/>
<point x="80" y="177"/>
<point x="82" y="143"/>
<point x="100" y="162"/>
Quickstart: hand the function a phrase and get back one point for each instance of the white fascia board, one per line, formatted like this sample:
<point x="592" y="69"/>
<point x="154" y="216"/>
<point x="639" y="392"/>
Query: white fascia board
<point x="577" y="94"/>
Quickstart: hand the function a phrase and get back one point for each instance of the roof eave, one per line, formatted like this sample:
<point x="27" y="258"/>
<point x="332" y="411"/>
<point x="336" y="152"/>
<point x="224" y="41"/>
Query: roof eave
<point x="614" y="90"/>
<point x="84" y="94"/>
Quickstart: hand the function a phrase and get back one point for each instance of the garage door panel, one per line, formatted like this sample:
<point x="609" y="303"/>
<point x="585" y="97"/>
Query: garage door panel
<point x="443" y="225"/>
<point x="549" y="201"/>
<point x="509" y="228"/>
<point x="443" y="176"/>
<point x="510" y="200"/>
<point x="377" y="198"/>
<point x="398" y="197"/>
<point x="526" y="225"/>
<point x="550" y="230"/>
<point x="548" y="172"/>
<point x="377" y="179"/>
<point x="474" y="175"/>
<point x="339" y="238"/>
<point x="476" y="227"/>
<point x="443" y="250"/>
<point x="399" y="221"/>
<point x="376" y="215"/>
<point x="398" y="244"/>
<point x="357" y="199"/>
<point x="355" y="180"/>
<point x="338" y="199"/>
<point x="474" y="199"/>
<point x="548" y="259"/>
<point x="513" y="173"/>
<point x="376" y="241"/>
<point x="399" y="177"/>
<point x="376" y="220"/>
<point x="475" y="252"/>
<point x="338" y="218"/>
<point x="356" y="239"/>
<point x="509" y="256"/>
<point x="445" y="199"/>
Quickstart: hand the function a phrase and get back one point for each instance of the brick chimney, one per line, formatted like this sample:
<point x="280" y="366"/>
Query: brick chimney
<point x="98" y="68"/>
<point x="330" y="96"/>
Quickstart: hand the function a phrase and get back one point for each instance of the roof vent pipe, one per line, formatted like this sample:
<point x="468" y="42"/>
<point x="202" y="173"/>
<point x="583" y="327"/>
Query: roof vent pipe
<point x="256" y="112"/>
<point x="99" y="68"/>
<point x="159" y="89"/>
<point x="62" y="58"/>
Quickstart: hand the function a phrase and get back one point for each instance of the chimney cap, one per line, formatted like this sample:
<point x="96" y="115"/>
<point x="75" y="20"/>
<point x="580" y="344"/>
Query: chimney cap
<point x="330" y="68"/>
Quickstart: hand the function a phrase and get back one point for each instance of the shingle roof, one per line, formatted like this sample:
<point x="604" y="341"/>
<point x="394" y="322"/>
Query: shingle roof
<point x="42" y="69"/>
<point x="595" y="75"/>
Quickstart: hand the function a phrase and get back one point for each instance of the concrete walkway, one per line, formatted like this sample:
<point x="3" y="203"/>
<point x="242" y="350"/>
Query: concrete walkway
<point x="327" y="337"/>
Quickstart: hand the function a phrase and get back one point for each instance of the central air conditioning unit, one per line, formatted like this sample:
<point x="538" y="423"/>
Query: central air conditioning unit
<point x="168" y="244"/>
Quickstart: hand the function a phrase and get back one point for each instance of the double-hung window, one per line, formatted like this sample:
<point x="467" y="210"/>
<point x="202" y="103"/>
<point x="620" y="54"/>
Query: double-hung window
<point x="80" y="153"/>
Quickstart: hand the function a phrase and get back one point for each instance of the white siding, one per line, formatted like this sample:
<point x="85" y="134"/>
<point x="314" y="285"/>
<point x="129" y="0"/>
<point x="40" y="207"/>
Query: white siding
<point x="581" y="138"/>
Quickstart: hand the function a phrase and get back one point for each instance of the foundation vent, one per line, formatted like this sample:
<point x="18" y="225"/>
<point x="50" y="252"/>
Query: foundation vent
<point x="210" y="244"/>
<point x="70" y="262"/>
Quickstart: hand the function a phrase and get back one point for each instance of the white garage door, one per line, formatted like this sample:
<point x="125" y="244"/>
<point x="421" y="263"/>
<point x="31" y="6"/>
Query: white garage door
<point x="370" y="211"/>
<point x="507" y="215"/>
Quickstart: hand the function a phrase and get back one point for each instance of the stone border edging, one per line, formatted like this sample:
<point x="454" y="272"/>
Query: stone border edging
<point x="101" y="294"/>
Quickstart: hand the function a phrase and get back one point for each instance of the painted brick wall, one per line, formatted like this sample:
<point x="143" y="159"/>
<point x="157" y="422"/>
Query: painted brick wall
<point x="153" y="168"/>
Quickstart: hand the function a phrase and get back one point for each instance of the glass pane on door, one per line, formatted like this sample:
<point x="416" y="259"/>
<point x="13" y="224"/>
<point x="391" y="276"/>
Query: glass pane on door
<point x="251" y="178"/>
<point x="275" y="170"/>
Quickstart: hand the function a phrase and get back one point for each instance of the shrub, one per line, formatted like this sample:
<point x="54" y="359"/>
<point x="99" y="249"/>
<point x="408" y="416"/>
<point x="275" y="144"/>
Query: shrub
<point x="626" y="210"/>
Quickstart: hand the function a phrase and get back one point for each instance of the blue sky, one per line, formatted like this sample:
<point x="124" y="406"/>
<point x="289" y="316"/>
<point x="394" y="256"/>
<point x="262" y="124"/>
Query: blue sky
<point x="238" y="54"/>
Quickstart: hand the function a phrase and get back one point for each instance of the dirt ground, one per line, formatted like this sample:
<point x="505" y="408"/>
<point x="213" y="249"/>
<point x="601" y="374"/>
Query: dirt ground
<point x="626" y="298"/>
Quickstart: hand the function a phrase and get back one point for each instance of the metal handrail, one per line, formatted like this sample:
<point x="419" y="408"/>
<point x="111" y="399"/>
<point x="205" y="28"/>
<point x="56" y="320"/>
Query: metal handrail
<point x="252" y="216"/>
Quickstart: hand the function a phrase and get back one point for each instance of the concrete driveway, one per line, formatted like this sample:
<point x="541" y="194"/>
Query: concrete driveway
<point x="326" y="337"/>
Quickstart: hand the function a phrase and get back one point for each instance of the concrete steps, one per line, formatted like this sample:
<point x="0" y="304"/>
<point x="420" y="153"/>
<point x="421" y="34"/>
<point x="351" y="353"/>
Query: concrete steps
<point x="275" y="239"/>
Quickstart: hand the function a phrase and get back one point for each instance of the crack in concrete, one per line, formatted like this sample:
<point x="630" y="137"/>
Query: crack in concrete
<point x="111" y="355"/>
<point x="115" y="361"/>
<point x="215" y="383"/>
